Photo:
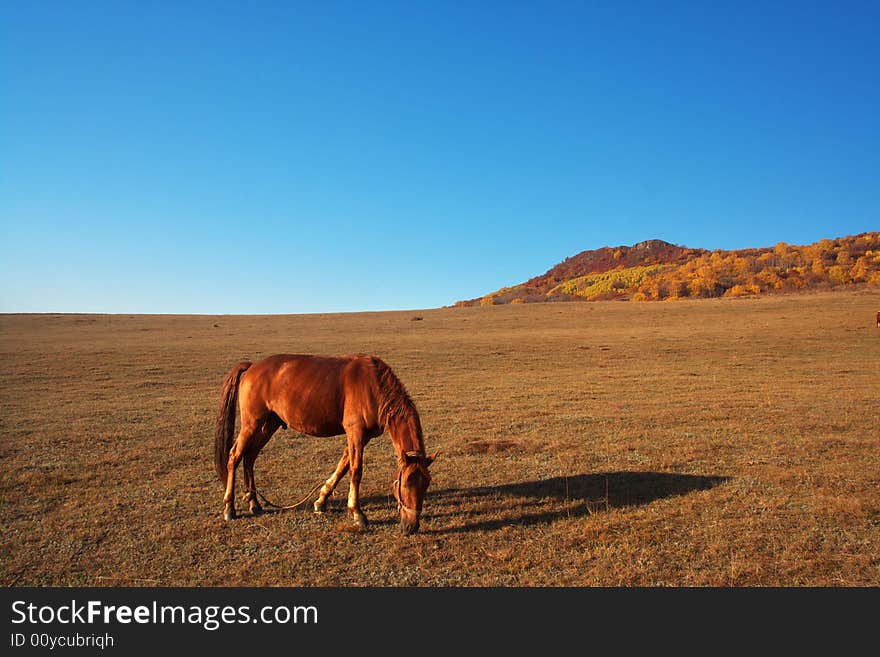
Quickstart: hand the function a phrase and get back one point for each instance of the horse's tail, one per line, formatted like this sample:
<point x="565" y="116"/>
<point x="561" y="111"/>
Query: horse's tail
<point x="225" y="425"/>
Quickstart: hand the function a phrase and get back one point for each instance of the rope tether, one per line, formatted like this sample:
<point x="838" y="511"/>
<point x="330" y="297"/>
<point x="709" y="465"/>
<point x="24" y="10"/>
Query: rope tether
<point x="289" y="506"/>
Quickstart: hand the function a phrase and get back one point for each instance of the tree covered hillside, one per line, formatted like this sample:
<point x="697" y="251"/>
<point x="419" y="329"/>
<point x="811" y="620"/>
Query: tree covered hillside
<point x="656" y="270"/>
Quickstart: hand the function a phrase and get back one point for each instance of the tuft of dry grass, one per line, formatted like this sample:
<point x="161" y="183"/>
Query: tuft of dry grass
<point x="720" y="442"/>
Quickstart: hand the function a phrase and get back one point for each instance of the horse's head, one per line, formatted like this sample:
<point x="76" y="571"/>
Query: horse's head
<point x="412" y="481"/>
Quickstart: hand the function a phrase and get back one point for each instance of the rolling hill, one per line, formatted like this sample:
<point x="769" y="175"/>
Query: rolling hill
<point x="655" y="270"/>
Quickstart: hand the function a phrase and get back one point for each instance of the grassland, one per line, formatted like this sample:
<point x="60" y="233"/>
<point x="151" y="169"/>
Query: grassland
<point x="728" y="442"/>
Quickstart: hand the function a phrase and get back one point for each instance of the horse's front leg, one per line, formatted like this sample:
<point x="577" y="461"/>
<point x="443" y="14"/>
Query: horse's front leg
<point x="355" y="464"/>
<point x="330" y="485"/>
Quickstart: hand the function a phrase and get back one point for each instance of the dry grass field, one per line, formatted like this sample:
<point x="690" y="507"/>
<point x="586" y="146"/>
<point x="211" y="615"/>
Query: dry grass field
<point x="724" y="442"/>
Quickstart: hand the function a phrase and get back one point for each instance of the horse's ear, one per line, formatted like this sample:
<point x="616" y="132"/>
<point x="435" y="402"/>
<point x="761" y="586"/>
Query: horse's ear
<point x="430" y="459"/>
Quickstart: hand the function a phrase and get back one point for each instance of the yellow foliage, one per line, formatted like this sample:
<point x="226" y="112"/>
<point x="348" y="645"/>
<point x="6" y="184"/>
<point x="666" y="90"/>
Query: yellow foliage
<point x="617" y="281"/>
<point x="838" y="274"/>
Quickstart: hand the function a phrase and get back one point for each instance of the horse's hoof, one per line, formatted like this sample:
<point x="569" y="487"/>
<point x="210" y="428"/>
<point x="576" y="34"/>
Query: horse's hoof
<point x="359" y="519"/>
<point x="229" y="514"/>
<point x="256" y="509"/>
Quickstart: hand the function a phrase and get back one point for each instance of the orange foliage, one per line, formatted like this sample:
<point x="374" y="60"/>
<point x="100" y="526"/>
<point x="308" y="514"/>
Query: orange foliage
<point x="827" y="263"/>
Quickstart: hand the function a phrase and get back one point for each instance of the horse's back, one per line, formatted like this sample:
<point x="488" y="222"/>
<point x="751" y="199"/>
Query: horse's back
<point x="311" y="370"/>
<point x="309" y="393"/>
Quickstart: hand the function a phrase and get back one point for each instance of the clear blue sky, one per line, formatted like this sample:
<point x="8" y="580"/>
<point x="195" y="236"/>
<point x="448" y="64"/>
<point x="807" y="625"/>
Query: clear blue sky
<point x="287" y="157"/>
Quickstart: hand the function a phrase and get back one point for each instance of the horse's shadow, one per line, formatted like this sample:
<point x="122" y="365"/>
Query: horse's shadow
<point x="546" y="500"/>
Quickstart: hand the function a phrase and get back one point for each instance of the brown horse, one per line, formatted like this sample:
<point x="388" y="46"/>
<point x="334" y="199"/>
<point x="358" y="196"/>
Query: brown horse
<point x="322" y="396"/>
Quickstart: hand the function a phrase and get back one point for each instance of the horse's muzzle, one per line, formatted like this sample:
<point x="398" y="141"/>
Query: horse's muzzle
<point x="407" y="526"/>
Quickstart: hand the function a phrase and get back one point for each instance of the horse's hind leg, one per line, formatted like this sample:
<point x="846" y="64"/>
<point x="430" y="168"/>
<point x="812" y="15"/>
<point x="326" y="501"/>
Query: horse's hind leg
<point x="270" y="426"/>
<point x="330" y="484"/>
<point x="249" y="496"/>
<point x="241" y="445"/>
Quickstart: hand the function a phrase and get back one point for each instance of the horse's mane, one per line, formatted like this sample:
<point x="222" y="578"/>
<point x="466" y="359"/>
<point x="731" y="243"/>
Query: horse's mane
<point x="394" y="400"/>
